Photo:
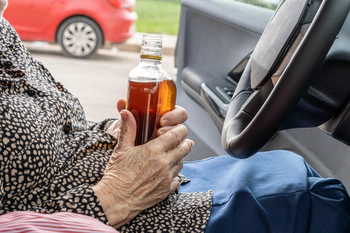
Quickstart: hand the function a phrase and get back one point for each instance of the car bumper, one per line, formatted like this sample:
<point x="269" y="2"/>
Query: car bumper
<point x="125" y="27"/>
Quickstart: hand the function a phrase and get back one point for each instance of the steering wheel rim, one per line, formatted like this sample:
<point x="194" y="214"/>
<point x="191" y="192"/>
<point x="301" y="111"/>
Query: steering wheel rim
<point x="256" y="114"/>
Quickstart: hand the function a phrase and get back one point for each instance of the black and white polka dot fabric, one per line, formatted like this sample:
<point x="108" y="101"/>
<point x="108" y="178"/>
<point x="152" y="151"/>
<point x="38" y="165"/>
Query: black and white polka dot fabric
<point x="50" y="155"/>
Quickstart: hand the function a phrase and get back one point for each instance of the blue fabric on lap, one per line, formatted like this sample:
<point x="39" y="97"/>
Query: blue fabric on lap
<point x="274" y="191"/>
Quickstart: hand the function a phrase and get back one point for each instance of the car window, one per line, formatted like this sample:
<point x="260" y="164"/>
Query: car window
<point x="270" y="4"/>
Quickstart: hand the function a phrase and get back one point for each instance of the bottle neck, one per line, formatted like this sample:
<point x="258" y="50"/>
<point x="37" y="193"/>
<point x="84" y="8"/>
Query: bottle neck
<point x="150" y="61"/>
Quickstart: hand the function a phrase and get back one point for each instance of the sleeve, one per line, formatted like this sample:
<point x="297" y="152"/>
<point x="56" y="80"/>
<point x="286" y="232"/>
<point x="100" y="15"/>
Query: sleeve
<point x="101" y="125"/>
<point x="29" y="222"/>
<point x="80" y="200"/>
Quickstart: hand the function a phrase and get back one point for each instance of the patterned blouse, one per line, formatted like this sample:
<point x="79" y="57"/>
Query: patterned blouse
<point x="51" y="156"/>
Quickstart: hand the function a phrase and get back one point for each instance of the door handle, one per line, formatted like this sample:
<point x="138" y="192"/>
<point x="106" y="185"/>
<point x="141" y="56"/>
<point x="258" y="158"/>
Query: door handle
<point x="217" y="105"/>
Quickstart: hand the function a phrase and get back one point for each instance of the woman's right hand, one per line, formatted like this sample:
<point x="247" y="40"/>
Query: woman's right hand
<point x="138" y="177"/>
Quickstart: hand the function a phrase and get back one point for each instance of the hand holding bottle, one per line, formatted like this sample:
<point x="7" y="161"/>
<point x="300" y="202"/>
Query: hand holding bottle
<point x="137" y="177"/>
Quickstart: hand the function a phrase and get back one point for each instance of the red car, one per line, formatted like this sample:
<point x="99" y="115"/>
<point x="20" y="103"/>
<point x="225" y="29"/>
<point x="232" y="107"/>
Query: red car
<point x="80" y="27"/>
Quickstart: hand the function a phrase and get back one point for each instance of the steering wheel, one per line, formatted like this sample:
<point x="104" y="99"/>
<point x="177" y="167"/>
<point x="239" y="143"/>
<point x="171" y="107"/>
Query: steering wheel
<point x="290" y="51"/>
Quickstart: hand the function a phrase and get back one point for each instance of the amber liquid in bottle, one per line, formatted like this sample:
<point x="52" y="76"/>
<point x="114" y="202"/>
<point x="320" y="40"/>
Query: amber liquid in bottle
<point x="148" y="101"/>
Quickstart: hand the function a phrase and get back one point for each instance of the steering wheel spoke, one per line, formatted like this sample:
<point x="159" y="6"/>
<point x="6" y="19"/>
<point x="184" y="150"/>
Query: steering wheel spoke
<point x="257" y="99"/>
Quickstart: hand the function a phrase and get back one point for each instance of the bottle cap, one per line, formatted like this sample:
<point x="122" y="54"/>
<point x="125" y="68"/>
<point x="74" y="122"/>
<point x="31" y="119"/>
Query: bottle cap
<point x="151" y="47"/>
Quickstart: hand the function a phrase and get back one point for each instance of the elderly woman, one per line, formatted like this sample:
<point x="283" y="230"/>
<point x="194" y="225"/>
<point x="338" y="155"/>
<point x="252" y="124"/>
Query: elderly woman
<point x="53" y="160"/>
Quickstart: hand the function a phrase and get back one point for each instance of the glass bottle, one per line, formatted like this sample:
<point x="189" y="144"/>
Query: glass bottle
<point x="151" y="90"/>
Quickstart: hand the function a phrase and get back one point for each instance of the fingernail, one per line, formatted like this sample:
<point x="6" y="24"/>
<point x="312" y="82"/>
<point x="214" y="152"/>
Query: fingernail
<point x="163" y="122"/>
<point x="123" y="115"/>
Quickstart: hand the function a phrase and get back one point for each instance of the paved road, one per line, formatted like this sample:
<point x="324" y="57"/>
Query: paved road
<point x="98" y="82"/>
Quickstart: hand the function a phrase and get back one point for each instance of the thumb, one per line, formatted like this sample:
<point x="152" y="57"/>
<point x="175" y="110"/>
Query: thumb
<point x="121" y="104"/>
<point x="127" y="130"/>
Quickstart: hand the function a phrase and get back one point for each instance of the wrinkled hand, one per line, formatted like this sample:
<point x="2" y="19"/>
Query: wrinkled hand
<point x="113" y="128"/>
<point x="137" y="178"/>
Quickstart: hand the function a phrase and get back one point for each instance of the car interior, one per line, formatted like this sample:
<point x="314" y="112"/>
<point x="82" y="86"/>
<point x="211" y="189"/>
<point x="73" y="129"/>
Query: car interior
<point x="262" y="79"/>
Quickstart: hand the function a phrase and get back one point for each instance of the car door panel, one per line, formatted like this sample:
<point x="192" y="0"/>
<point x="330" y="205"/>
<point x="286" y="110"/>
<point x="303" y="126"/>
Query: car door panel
<point x="211" y="46"/>
<point x="211" y="49"/>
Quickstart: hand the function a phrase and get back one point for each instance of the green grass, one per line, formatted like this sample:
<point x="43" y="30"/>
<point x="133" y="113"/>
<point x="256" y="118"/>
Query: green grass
<point x="158" y="16"/>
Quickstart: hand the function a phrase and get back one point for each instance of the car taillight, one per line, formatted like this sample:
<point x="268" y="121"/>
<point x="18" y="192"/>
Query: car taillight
<point x="124" y="4"/>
